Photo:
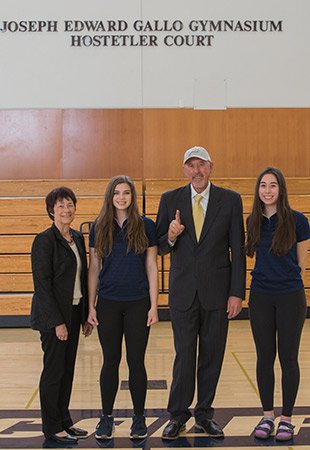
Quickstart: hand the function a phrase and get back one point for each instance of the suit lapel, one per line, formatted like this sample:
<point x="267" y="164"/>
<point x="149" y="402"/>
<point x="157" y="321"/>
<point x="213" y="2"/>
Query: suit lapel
<point x="213" y="208"/>
<point x="186" y="212"/>
<point x="59" y="237"/>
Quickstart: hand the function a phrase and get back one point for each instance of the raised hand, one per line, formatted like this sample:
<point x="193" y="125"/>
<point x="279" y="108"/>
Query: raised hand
<point x="175" y="227"/>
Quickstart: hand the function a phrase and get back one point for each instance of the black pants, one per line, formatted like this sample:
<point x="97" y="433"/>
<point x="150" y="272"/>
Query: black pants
<point x="209" y="330"/>
<point x="118" y="318"/>
<point x="57" y="376"/>
<point x="277" y="321"/>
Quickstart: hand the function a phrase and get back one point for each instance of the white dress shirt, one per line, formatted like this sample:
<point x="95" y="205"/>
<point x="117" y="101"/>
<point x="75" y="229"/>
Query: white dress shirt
<point x="204" y="203"/>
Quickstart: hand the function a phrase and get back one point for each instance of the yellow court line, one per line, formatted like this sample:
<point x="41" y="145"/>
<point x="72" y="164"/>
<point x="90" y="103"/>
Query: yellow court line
<point x="32" y="398"/>
<point x="246" y="375"/>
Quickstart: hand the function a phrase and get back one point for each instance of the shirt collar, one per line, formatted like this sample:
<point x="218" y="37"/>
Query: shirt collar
<point x="117" y="225"/>
<point x="204" y="194"/>
<point x="274" y="216"/>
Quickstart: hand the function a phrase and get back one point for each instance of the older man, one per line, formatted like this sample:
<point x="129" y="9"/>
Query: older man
<point x="202" y="226"/>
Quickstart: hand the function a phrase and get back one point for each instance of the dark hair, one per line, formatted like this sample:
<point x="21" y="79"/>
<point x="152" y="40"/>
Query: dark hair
<point x="284" y="235"/>
<point x="58" y="194"/>
<point x="105" y="223"/>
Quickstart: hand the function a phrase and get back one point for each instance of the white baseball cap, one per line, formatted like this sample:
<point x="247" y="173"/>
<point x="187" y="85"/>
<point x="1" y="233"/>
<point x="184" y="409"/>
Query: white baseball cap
<point x="196" y="152"/>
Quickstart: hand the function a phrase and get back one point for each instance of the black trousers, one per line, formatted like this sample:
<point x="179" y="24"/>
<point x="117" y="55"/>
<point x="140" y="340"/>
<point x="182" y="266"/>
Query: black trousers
<point x="277" y="322"/>
<point x="57" y="376"/>
<point x="118" y="319"/>
<point x="209" y="330"/>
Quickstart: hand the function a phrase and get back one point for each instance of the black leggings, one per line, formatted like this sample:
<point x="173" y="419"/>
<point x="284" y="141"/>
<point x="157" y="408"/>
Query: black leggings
<point x="282" y="316"/>
<point x="118" y="318"/>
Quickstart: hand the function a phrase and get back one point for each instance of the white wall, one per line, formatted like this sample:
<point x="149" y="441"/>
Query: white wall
<point x="42" y="69"/>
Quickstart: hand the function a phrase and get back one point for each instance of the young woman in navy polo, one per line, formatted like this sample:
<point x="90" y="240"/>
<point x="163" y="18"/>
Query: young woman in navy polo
<point x="279" y="237"/>
<point x="123" y="269"/>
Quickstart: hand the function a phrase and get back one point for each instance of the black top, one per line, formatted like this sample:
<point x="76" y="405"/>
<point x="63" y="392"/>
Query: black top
<point x="123" y="276"/>
<point x="54" y="270"/>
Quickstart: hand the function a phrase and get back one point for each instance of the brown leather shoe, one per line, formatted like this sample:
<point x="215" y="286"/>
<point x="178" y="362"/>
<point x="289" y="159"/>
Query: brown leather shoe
<point x="173" y="429"/>
<point x="210" y="427"/>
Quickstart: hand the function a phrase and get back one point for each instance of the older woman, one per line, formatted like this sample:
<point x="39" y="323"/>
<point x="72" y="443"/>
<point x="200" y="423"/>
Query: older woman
<point x="59" y="307"/>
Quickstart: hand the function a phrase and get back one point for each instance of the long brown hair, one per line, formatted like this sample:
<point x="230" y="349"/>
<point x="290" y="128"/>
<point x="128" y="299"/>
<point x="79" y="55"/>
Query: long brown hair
<point x="105" y="224"/>
<point x="284" y="235"/>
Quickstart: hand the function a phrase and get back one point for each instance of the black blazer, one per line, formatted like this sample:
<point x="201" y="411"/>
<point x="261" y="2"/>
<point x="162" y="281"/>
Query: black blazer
<point x="214" y="267"/>
<point x="54" y="269"/>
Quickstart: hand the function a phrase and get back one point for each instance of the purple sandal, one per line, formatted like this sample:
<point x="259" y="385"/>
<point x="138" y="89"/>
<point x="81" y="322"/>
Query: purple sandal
<point x="285" y="431"/>
<point x="264" y="429"/>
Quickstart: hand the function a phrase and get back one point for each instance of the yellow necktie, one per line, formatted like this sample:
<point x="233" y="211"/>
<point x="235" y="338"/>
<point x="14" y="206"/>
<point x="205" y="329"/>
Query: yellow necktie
<point x="198" y="216"/>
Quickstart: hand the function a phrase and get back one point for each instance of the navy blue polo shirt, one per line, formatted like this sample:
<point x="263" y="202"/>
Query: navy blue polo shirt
<point x="278" y="274"/>
<point x="123" y="276"/>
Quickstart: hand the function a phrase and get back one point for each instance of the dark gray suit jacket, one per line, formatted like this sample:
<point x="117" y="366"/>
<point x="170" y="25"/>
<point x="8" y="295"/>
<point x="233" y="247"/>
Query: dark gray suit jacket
<point x="54" y="268"/>
<point x="215" y="266"/>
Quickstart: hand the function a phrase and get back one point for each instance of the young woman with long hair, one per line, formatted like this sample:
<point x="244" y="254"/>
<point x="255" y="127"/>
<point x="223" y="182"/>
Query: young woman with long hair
<point x="279" y="238"/>
<point x="123" y="268"/>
